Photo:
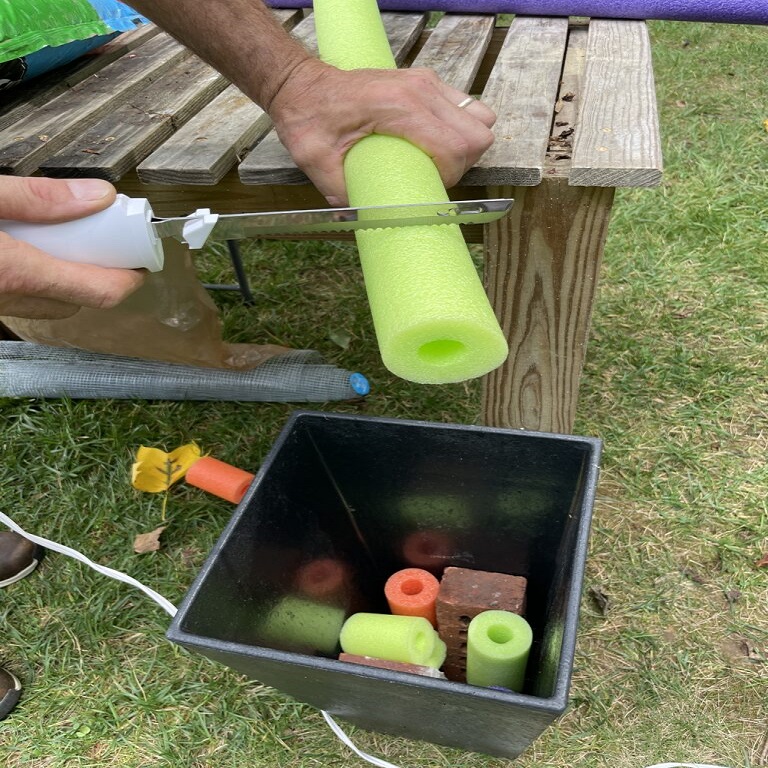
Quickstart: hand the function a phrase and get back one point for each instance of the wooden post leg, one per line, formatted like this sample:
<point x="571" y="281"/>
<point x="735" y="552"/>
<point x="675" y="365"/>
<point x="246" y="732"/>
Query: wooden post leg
<point x="542" y="263"/>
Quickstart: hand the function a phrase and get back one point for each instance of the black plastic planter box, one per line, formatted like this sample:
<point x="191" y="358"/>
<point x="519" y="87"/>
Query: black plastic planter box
<point x="340" y="503"/>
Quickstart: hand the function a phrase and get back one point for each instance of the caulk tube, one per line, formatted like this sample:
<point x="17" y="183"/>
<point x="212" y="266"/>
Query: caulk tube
<point x="119" y="236"/>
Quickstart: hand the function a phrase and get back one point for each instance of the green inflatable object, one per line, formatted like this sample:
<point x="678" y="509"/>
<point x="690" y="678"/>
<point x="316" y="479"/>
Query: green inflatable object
<point x="498" y="643"/>
<point x="433" y="320"/>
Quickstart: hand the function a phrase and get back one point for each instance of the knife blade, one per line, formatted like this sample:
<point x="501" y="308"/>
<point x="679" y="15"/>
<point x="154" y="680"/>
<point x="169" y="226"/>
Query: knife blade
<point x="327" y="220"/>
<point x="128" y="234"/>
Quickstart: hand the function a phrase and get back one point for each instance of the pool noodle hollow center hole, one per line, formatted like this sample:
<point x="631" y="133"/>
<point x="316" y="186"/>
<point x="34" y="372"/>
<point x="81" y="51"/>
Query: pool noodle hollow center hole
<point x="441" y="351"/>
<point x="411" y="587"/>
<point x="499" y="634"/>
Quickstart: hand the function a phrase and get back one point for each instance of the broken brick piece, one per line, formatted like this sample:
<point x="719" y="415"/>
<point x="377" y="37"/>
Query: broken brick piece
<point x="464" y="593"/>
<point x="397" y="666"/>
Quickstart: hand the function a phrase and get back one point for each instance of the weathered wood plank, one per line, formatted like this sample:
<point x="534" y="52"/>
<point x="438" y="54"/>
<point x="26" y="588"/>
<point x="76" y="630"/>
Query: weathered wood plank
<point x="542" y="262"/>
<point x="203" y="150"/>
<point x="117" y="142"/>
<point x="560" y="148"/>
<point x="24" y="145"/>
<point x="90" y="64"/>
<point x="522" y="89"/>
<point x="210" y="144"/>
<point x="270" y="162"/>
<point x="617" y="137"/>
<point x="27" y="97"/>
<point x="456" y="47"/>
<point x="486" y="66"/>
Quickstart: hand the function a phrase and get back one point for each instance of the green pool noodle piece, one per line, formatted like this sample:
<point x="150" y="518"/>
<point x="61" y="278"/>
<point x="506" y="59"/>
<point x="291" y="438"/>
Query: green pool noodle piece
<point x="433" y="320"/>
<point x="498" y="644"/>
<point x="437" y="659"/>
<point x="410" y="639"/>
<point x="296" y="622"/>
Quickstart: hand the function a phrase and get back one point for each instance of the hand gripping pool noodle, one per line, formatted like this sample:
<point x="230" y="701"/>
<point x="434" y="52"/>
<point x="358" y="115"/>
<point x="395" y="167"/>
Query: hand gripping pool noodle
<point x="397" y="638"/>
<point x="498" y="643"/>
<point x="433" y="320"/>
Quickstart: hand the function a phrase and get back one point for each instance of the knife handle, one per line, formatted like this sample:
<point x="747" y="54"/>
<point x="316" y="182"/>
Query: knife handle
<point x="119" y="236"/>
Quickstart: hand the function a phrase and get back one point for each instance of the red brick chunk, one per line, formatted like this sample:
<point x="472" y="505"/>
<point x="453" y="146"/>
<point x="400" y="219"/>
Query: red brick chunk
<point x="463" y="594"/>
<point x="397" y="666"/>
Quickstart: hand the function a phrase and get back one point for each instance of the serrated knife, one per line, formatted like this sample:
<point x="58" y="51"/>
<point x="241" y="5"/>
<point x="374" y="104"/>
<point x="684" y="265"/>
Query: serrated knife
<point x="129" y="235"/>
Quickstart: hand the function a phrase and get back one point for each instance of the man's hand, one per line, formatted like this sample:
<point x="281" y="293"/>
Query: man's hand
<point x="34" y="284"/>
<point x="320" y="112"/>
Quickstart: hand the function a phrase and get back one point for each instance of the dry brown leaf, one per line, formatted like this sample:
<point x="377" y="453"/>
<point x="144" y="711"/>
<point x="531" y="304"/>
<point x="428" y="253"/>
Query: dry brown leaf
<point x="148" y="542"/>
<point x="763" y="561"/>
<point x="602" y="600"/>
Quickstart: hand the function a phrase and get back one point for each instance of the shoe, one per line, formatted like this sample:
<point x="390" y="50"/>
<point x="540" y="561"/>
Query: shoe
<point x="10" y="691"/>
<point x="18" y="557"/>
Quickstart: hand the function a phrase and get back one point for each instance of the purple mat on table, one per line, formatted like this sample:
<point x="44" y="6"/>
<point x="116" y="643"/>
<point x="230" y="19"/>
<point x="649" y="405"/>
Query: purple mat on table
<point x="726" y="11"/>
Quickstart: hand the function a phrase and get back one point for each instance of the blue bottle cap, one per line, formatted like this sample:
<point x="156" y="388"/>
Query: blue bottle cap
<point x="359" y="384"/>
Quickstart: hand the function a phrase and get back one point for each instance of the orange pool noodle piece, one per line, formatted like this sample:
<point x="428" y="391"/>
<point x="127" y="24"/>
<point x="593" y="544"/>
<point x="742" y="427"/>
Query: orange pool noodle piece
<point x="219" y="478"/>
<point x="413" y="592"/>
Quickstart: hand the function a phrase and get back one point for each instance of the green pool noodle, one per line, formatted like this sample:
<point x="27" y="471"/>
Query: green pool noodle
<point x="498" y="644"/>
<point x="297" y="623"/>
<point x="437" y="659"/>
<point x="434" y="323"/>
<point x="410" y="639"/>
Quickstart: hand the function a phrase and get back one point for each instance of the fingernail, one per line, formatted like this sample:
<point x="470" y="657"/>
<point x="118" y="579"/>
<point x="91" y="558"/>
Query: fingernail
<point x="89" y="189"/>
<point x="334" y="202"/>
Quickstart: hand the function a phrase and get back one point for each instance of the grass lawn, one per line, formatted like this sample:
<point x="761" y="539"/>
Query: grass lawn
<point x="672" y="658"/>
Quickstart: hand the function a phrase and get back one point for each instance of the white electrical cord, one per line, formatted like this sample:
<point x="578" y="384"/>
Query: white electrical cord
<point x="171" y="609"/>
<point x="166" y="605"/>
<point x="336" y="728"/>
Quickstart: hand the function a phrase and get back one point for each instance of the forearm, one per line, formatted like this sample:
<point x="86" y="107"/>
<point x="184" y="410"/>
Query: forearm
<point x="320" y="111"/>
<point x="241" y="38"/>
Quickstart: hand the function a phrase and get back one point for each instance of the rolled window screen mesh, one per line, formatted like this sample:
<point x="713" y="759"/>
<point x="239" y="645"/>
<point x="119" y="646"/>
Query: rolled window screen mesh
<point x="35" y="370"/>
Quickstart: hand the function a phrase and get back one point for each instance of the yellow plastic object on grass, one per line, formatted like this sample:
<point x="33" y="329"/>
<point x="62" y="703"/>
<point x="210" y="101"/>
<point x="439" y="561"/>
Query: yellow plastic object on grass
<point x="433" y="320"/>
<point x="156" y="471"/>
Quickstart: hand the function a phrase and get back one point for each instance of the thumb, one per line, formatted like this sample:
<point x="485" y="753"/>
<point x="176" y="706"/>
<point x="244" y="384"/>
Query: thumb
<point x="39" y="199"/>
